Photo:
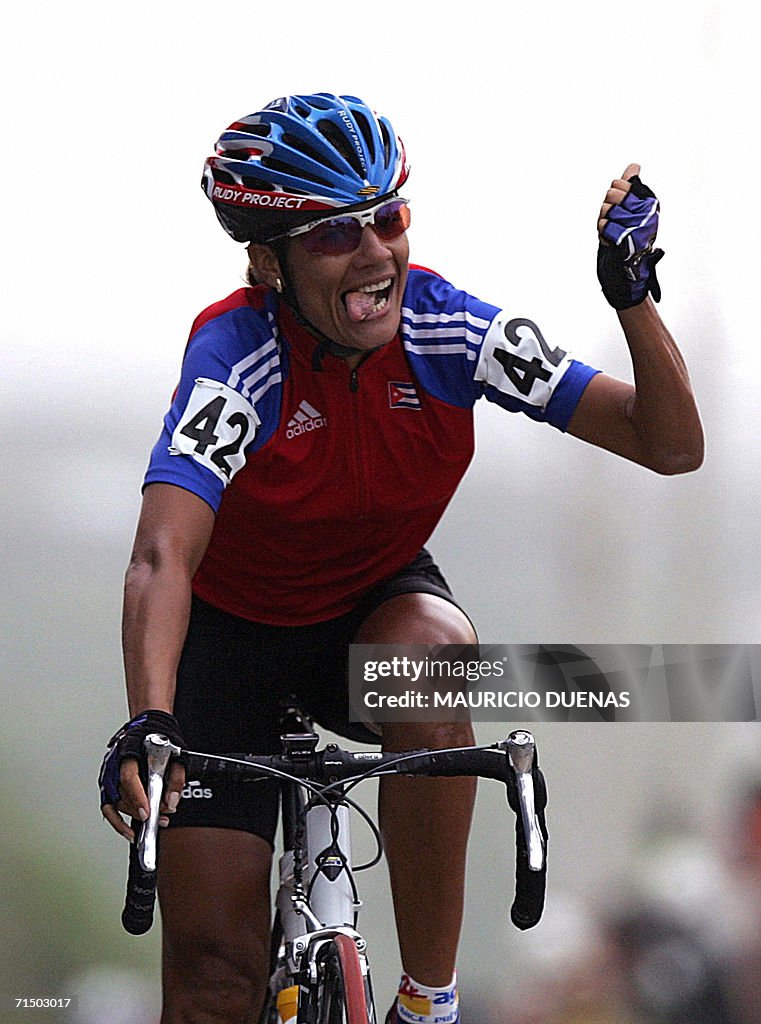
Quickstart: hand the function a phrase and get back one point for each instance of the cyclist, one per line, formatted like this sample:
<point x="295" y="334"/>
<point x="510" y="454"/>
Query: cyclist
<point x="322" y="422"/>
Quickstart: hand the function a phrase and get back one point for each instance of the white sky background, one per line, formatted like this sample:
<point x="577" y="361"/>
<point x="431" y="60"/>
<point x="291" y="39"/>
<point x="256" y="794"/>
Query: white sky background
<point x="516" y="117"/>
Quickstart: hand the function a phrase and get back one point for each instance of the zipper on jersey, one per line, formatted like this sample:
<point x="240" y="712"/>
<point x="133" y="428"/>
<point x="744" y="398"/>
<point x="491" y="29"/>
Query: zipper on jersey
<point x="360" y="466"/>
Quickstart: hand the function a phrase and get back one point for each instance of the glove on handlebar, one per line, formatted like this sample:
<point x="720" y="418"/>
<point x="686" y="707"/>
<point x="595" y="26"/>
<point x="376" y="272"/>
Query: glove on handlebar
<point x="626" y="267"/>
<point x="128" y="742"/>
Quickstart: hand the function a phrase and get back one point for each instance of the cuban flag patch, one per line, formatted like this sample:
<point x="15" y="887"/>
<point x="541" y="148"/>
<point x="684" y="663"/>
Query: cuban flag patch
<point x="402" y="395"/>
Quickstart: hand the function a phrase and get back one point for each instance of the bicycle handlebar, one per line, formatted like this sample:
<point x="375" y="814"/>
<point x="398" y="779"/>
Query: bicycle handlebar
<point x="512" y="761"/>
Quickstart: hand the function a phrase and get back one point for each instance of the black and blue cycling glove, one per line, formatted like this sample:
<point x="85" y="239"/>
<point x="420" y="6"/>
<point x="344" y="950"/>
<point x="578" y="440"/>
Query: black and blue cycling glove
<point x="128" y="742"/>
<point x="626" y="267"/>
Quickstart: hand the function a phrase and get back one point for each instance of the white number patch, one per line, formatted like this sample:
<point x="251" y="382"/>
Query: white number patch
<point x="517" y="361"/>
<point x="215" y="428"/>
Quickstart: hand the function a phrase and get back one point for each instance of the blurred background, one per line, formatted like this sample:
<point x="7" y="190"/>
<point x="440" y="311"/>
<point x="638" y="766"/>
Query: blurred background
<point x="516" y="117"/>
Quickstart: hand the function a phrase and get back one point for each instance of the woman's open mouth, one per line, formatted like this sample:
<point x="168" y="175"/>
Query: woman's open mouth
<point x="368" y="301"/>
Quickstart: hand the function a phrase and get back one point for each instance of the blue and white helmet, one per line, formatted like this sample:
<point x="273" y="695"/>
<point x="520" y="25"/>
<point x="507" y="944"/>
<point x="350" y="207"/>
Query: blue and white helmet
<point x="298" y="158"/>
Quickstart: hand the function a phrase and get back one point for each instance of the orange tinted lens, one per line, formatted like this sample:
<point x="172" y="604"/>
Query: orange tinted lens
<point x="392" y="220"/>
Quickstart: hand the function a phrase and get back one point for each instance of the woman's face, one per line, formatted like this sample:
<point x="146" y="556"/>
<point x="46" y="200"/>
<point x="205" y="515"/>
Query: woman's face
<point x="355" y="299"/>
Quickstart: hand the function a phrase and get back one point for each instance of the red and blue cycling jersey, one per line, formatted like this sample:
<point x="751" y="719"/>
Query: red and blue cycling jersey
<point x="326" y="480"/>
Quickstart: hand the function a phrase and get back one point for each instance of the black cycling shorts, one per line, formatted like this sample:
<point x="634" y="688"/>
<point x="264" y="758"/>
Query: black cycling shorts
<point x="234" y="676"/>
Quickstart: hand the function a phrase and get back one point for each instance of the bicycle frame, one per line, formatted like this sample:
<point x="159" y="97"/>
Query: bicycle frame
<point x="317" y="899"/>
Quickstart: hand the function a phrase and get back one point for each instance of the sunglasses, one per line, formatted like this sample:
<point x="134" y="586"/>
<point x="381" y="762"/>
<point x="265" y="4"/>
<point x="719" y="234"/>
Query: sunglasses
<point x="341" y="235"/>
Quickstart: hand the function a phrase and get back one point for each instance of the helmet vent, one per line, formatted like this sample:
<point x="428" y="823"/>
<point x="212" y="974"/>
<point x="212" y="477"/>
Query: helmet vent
<point x="262" y="130"/>
<point x="282" y="168"/>
<point x="224" y="178"/>
<point x="386" y="143"/>
<point x="257" y="184"/>
<point x="367" y="135"/>
<point x="339" y="142"/>
<point x="302" y="146"/>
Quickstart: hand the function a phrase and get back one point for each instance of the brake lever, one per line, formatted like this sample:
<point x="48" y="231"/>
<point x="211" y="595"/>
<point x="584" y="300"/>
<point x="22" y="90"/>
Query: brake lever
<point x="158" y="750"/>
<point x="521" y="752"/>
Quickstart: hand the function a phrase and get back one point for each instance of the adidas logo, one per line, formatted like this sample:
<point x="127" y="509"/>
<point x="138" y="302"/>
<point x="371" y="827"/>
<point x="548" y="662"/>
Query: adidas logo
<point x="305" y="418"/>
<point x="195" y="789"/>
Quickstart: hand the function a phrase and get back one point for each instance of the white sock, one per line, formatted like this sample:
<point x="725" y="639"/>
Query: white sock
<point x="421" y="1004"/>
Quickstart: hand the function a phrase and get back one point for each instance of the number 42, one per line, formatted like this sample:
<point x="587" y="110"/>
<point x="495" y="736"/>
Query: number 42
<point x="522" y="372"/>
<point x="214" y="432"/>
<point x="201" y="428"/>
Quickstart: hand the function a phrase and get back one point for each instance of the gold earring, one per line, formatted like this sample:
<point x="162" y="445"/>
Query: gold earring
<point x="278" y="285"/>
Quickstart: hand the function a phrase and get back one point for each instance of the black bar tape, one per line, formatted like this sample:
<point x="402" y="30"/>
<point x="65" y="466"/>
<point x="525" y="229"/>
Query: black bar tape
<point x="199" y="766"/>
<point x="487" y="763"/>
<point x="530" y="886"/>
<point x="140" y="901"/>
